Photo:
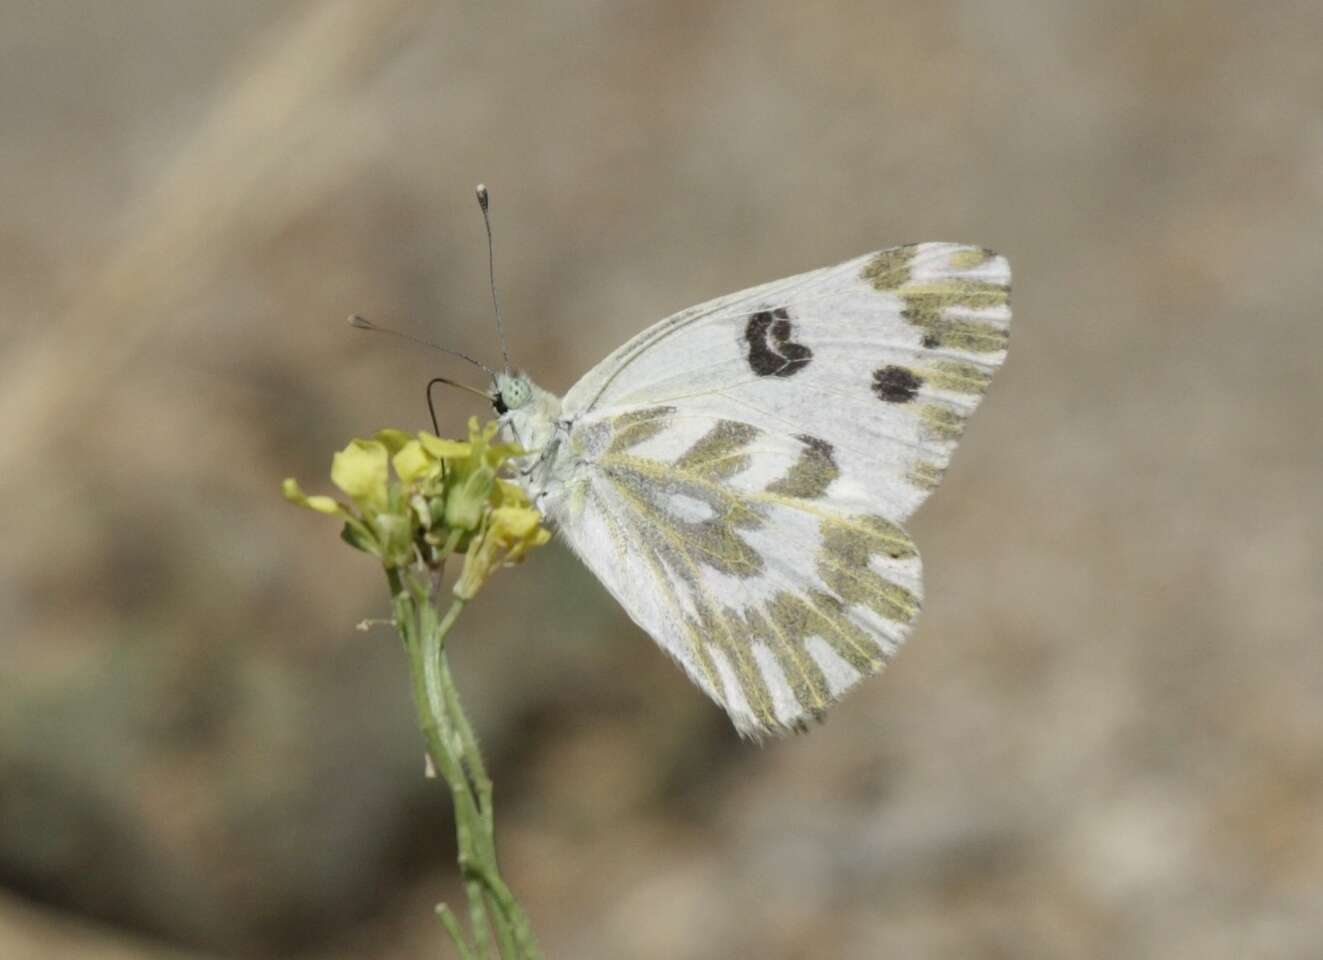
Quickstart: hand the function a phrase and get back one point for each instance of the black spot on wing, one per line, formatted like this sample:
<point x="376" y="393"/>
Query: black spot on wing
<point x="896" y="384"/>
<point x="772" y="353"/>
<point x="819" y="446"/>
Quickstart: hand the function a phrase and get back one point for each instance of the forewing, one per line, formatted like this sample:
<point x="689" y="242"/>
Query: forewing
<point x="737" y="475"/>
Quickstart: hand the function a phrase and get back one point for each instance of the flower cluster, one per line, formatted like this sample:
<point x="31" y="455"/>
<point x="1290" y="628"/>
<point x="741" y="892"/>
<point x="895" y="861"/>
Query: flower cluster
<point x="446" y="497"/>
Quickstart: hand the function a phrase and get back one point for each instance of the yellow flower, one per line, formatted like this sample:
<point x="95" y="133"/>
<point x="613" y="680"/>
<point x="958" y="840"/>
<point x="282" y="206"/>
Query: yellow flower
<point x="361" y="471"/>
<point x="508" y="536"/>
<point x="322" y="504"/>
<point x="444" y="449"/>
<point x="474" y="474"/>
<point x="391" y="439"/>
<point x="412" y="463"/>
<point x="445" y="496"/>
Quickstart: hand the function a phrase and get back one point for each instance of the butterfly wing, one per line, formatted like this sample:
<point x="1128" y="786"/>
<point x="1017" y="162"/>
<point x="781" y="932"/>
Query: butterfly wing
<point x="737" y="475"/>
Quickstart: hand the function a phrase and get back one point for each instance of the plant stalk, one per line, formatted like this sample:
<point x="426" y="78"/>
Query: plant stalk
<point x="454" y="753"/>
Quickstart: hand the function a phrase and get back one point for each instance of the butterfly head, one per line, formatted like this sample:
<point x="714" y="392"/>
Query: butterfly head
<point x="511" y="391"/>
<point x="529" y="412"/>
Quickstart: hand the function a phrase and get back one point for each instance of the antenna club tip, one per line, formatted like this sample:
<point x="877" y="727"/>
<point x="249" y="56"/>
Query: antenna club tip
<point x="481" y="191"/>
<point x="363" y="323"/>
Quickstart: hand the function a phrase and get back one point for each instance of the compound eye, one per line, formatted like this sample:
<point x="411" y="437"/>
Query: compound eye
<point x="498" y="404"/>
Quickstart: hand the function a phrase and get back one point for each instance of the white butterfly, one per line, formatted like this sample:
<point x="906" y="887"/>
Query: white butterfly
<point x="737" y="474"/>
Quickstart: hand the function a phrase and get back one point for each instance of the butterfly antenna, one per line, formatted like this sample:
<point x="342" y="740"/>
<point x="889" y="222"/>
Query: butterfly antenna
<point x="449" y="383"/>
<point x="484" y="201"/>
<point x="363" y="323"/>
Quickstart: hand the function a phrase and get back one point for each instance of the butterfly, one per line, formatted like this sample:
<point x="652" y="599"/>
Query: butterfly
<point x="738" y="475"/>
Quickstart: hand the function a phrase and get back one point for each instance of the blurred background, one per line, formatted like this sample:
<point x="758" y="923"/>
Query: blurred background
<point x="1105" y="738"/>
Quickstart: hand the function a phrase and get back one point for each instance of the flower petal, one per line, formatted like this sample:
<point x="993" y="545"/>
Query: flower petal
<point x="393" y="440"/>
<point x="360" y="470"/>
<point x="411" y="462"/>
<point x="294" y="494"/>
<point x="444" y="449"/>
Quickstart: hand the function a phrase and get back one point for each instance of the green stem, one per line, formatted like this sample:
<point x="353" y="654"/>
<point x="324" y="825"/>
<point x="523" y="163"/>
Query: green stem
<point x="453" y="749"/>
<point x="473" y="765"/>
<point x="503" y="901"/>
<point x="451" y="923"/>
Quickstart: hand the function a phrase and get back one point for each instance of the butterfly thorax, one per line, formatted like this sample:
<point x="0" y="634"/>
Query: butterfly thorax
<point x="532" y="419"/>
